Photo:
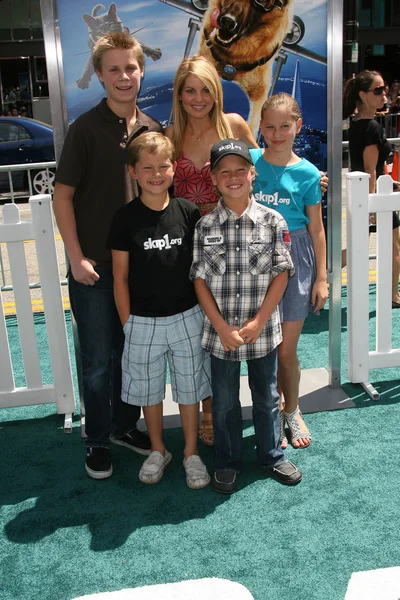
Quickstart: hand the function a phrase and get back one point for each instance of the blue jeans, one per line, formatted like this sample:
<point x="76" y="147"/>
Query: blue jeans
<point x="101" y="341"/>
<point x="227" y="415"/>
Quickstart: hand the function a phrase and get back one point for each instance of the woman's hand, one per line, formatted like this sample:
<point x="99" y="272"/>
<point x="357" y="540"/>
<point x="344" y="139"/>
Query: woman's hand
<point x="324" y="182"/>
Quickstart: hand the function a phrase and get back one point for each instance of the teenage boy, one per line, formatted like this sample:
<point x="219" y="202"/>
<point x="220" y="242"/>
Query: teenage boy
<point x="151" y="240"/>
<point x="241" y="263"/>
<point x="92" y="182"/>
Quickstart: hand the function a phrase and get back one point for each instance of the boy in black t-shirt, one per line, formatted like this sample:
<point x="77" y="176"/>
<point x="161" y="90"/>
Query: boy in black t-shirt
<point x="151" y="241"/>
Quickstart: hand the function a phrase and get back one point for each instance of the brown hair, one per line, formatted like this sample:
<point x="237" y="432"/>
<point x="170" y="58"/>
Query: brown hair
<point x="352" y="88"/>
<point x="207" y="73"/>
<point x="285" y="100"/>
<point x="150" y="142"/>
<point x="116" y="41"/>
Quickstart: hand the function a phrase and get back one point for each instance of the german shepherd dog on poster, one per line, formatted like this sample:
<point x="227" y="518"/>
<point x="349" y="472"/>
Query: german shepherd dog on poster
<point x="241" y="38"/>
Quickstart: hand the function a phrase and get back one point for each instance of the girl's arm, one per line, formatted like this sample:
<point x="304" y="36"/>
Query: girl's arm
<point x="120" y="262"/>
<point x="370" y="159"/>
<point x="240" y="129"/>
<point x="317" y="234"/>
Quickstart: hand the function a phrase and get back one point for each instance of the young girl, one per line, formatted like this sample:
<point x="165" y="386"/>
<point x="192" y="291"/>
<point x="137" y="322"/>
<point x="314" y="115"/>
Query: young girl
<point x="291" y="185"/>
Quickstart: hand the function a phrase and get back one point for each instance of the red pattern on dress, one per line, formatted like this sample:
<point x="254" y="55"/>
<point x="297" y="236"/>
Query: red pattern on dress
<point x="194" y="184"/>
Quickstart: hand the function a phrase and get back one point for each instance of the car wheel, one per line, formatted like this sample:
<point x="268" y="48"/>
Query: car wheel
<point x="200" y="4"/>
<point x="43" y="181"/>
<point x="296" y="33"/>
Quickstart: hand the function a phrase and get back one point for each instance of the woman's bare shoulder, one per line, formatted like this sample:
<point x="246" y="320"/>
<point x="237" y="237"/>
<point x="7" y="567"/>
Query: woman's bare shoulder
<point x="241" y="130"/>
<point x="168" y="131"/>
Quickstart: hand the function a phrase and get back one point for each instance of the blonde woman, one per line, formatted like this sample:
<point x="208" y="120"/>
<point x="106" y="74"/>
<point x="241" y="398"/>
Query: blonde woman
<point x="198" y="123"/>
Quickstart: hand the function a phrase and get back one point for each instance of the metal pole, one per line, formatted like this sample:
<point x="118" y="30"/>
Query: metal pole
<point x="350" y="46"/>
<point x="335" y="77"/>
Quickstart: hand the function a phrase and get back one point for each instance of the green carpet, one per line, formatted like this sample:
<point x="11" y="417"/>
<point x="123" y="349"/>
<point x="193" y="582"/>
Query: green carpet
<point x="64" y="535"/>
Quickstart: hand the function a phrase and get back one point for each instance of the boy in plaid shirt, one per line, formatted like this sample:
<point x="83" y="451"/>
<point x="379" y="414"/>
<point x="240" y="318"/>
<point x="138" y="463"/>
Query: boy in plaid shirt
<point x="241" y="264"/>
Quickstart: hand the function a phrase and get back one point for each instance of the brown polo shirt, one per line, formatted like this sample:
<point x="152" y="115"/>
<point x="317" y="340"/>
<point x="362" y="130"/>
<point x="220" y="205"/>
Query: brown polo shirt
<point x="93" y="161"/>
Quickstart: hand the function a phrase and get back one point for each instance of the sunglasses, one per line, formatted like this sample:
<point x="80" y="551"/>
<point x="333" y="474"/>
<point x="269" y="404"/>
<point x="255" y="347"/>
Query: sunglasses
<point x="378" y="91"/>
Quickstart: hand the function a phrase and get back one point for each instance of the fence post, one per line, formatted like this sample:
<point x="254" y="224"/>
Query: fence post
<point x="43" y="227"/>
<point x="384" y="260"/>
<point x="357" y="219"/>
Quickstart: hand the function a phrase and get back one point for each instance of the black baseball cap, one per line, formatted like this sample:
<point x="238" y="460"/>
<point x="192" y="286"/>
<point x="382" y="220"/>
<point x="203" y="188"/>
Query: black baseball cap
<point x="226" y="147"/>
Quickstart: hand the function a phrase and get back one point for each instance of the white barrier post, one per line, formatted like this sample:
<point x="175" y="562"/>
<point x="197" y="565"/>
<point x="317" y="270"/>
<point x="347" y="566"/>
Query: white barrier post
<point x="384" y="261"/>
<point x="384" y="202"/>
<point x="359" y="204"/>
<point x="14" y="232"/>
<point x="43" y="228"/>
<point x="357" y="219"/>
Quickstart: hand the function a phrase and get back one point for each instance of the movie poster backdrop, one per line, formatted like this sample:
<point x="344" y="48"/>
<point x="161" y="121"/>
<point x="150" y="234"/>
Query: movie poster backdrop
<point x="170" y="29"/>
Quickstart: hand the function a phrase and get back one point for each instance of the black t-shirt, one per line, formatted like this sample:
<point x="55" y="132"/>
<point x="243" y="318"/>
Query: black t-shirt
<point x="93" y="161"/>
<point x="363" y="133"/>
<point x="160" y="255"/>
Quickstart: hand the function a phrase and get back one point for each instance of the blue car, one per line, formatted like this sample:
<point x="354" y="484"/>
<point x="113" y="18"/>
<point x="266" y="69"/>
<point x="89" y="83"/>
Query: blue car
<point x="25" y="141"/>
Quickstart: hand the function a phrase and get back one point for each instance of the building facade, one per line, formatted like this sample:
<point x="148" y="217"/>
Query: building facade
<point x="23" y="76"/>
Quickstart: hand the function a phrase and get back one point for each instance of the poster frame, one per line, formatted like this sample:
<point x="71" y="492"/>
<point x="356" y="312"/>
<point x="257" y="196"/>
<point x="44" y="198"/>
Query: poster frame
<point x="51" y="35"/>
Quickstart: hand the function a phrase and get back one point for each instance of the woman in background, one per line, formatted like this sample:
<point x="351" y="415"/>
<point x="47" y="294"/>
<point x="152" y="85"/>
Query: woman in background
<point x="369" y="148"/>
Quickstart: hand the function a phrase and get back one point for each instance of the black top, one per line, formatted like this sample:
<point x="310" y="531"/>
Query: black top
<point x="363" y="133"/>
<point x="93" y="161"/>
<point x="159" y="243"/>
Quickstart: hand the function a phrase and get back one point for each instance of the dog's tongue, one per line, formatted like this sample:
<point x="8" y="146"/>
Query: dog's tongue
<point x="214" y="17"/>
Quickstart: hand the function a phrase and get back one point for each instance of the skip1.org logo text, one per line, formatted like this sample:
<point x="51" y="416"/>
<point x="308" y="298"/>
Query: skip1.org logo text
<point x="164" y="242"/>
<point x="271" y="199"/>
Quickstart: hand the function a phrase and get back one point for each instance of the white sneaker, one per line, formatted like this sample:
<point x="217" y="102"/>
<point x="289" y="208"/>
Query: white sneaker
<point x="153" y="467"/>
<point x="197" y="476"/>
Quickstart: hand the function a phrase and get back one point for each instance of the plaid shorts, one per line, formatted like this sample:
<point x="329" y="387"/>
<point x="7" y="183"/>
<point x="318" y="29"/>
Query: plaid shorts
<point x="152" y="341"/>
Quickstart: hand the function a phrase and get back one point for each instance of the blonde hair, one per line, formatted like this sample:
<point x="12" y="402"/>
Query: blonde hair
<point x="206" y="72"/>
<point x="285" y="100"/>
<point x="150" y="142"/>
<point x="116" y="41"/>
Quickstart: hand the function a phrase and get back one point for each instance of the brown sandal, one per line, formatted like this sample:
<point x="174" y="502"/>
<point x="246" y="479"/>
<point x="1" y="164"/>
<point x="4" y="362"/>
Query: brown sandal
<point x="206" y="431"/>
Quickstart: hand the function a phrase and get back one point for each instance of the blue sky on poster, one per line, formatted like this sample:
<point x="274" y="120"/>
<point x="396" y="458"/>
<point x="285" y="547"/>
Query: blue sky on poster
<point x="167" y="28"/>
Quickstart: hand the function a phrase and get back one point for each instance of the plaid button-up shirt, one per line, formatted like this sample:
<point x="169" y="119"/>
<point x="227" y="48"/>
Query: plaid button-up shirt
<point x="239" y="257"/>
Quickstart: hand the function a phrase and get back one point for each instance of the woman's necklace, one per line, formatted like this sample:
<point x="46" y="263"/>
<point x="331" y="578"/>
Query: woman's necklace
<point x="200" y="135"/>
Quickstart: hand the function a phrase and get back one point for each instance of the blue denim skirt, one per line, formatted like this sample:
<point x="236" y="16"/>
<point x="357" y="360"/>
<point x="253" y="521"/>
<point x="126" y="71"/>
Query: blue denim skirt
<point x="296" y="302"/>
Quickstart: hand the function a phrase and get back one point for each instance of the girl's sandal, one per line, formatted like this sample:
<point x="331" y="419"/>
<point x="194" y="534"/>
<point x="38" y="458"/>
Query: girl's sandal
<point x="206" y="431"/>
<point x="282" y="438"/>
<point x="294" y="428"/>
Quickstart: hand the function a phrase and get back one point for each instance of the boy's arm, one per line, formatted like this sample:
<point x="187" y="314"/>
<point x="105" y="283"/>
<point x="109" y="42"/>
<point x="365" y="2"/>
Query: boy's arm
<point x="253" y="327"/>
<point x="120" y="262"/>
<point x="81" y="267"/>
<point x="229" y="336"/>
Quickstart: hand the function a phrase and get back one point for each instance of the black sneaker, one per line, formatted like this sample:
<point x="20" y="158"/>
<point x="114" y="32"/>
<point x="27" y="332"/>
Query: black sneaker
<point x="98" y="462"/>
<point x="286" y="473"/>
<point x="224" y="482"/>
<point x="136" y="440"/>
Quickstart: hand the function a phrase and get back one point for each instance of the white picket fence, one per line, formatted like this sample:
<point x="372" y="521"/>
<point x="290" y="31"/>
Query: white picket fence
<point x="360" y="203"/>
<point x="13" y="232"/>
